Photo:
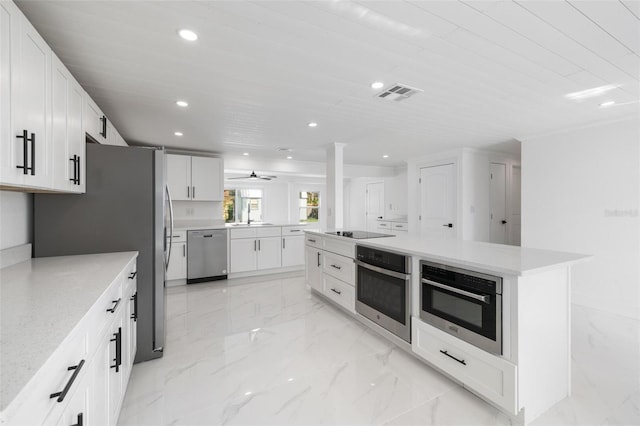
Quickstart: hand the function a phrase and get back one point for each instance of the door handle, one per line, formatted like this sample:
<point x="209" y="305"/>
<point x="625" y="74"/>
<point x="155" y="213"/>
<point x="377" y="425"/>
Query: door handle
<point x="379" y="217"/>
<point x="504" y="222"/>
<point x="448" y="225"/>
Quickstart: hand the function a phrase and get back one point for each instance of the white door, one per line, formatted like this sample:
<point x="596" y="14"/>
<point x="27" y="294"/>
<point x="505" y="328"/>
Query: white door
<point x="438" y="201"/>
<point x="313" y="268"/>
<point x="242" y="254"/>
<point x="514" y="206"/>
<point x="375" y="204"/>
<point x="269" y="253"/>
<point x="293" y="251"/>
<point x="498" y="203"/>
<point x="179" y="176"/>
<point x="177" y="269"/>
<point x="206" y="179"/>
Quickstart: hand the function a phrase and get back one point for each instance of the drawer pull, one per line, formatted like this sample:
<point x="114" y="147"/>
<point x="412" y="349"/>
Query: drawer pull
<point x="117" y="337"/>
<point x="461" y="361"/>
<point x="336" y="291"/>
<point x="133" y="275"/>
<point x="336" y="267"/>
<point x="399" y="226"/>
<point x="115" y="306"/>
<point x="311" y="240"/>
<point x="76" y="370"/>
<point x="79" y="421"/>
<point x="295" y="230"/>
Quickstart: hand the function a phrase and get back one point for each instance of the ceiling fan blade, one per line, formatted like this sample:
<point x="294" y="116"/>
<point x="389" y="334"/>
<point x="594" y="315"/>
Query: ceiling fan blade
<point x="238" y="177"/>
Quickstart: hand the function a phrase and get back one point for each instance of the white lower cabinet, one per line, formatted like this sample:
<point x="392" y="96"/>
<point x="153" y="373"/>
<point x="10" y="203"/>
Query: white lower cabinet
<point x="340" y="292"/>
<point x="487" y="374"/>
<point x="243" y="255"/>
<point x="83" y="382"/>
<point x="254" y="249"/>
<point x="177" y="269"/>
<point x="313" y="269"/>
<point x="269" y="254"/>
<point x="292" y="250"/>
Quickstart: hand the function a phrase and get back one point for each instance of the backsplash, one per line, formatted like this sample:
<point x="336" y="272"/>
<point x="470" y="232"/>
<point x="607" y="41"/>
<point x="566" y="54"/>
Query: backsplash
<point x="197" y="210"/>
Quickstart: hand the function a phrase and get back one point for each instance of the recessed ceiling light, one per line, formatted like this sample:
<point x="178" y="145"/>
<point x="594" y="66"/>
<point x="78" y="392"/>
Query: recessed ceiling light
<point x="182" y="104"/>
<point x="313" y="124"/>
<point x="289" y="157"/>
<point x="177" y="133"/>
<point x="377" y="85"/>
<point x="188" y="35"/>
<point x="608" y="103"/>
<point x="245" y="153"/>
<point x="385" y="156"/>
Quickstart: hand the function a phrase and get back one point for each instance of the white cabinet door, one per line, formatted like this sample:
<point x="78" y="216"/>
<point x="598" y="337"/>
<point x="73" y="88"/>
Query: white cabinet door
<point x="243" y="255"/>
<point x="293" y="250"/>
<point x="269" y="253"/>
<point x="99" y="372"/>
<point x="112" y="135"/>
<point x="93" y="120"/>
<point x="179" y="176"/>
<point x="9" y="22"/>
<point x="116" y="383"/>
<point x="206" y="179"/>
<point x="313" y="268"/>
<point x="68" y="141"/>
<point x="177" y="269"/>
<point x="26" y="154"/>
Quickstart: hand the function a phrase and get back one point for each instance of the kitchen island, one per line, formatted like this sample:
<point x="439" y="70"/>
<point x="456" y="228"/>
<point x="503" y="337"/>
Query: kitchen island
<point x="532" y="369"/>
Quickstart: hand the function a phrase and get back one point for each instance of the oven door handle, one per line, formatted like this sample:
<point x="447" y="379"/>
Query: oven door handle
<point x="483" y="299"/>
<point x="382" y="270"/>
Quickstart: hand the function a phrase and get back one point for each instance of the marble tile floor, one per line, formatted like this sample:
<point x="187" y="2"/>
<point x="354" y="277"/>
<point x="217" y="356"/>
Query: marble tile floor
<point x="266" y="351"/>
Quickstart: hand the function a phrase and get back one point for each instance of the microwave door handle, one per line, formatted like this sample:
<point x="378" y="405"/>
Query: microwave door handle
<point x="382" y="270"/>
<point x="483" y="299"/>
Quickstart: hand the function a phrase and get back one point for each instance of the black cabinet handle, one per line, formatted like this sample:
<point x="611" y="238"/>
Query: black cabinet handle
<point x="336" y="291"/>
<point x="132" y="275"/>
<point x="258" y="245"/>
<point x="461" y="361"/>
<point x="104" y="127"/>
<point x="448" y="225"/>
<point x="79" y="421"/>
<point x="311" y="240"/>
<point x="115" y="306"/>
<point x="504" y="222"/>
<point x="25" y="152"/>
<point x="78" y="165"/>
<point x="76" y="169"/>
<point x="336" y="267"/>
<point x="117" y="337"/>
<point x="188" y="190"/>
<point x="134" y="315"/>
<point x="318" y="258"/>
<point x="76" y="370"/>
<point x="283" y="244"/>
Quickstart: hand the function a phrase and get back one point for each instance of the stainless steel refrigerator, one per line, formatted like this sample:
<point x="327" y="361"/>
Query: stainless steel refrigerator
<point x="126" y="207"/>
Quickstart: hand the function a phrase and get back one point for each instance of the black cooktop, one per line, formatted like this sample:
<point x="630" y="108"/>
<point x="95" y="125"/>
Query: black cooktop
<point x="359" y="235"/>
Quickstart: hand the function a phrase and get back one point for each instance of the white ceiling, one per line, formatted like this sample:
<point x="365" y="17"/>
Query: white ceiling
<point x="491" y="71"/>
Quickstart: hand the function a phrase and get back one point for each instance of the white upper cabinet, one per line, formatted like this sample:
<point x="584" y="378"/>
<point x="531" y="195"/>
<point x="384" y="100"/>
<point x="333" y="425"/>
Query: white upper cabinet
<point x="67" y="134"/>
<point x="94" y="121"/>
<point x="26" y="88"/>
<point x="195" y="178"/>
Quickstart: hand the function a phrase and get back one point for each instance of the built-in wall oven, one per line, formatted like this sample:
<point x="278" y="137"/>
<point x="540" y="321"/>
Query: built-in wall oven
<point x="463" y="303"/>
<point x="383" y="289"/>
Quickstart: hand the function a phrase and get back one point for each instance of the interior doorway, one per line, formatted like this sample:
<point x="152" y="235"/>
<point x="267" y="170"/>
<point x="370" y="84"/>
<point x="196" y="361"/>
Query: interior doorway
<point x="375" y="204"/>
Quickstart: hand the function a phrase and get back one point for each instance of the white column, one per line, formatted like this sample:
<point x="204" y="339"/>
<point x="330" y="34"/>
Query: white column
<point x="333" y="199"/>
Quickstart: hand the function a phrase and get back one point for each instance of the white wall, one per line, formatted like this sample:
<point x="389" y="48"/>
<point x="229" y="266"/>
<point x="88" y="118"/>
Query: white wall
<point x="197" y="210"/>
<point x="581" y="193"/>
<point x="16" y="219"/>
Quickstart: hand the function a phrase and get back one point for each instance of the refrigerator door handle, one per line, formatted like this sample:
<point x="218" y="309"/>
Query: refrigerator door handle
<point x="166" y="265"/>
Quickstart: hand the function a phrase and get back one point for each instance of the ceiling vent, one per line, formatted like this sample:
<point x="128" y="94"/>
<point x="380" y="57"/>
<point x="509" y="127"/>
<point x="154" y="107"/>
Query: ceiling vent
<point x="398" y="92"/>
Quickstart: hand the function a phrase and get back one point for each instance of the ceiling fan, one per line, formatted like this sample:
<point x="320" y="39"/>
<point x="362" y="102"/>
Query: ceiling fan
<point x="254" y="176"/>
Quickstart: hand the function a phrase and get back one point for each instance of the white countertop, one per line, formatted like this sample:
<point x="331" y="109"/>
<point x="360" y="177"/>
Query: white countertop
<point x="41" y="301"/>
<point x="500" y="258"/>
<point x="186" y="226"/>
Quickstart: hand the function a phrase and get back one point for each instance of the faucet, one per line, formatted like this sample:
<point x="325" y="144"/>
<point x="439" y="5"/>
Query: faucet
<point x="249" y="213"/>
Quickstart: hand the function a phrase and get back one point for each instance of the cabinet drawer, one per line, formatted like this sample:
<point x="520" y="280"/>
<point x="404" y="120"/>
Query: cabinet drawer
<point x="242" y="233"/>
<point x="340" y="267"/>
<point x="384" y="225"/>
<point x="292" y="230"/>
<point x="489" y="375"/>
<point x="340" y="292"/>
<point x="180" y="236"/>
<point x="399" y="226"/>
<point x="271" y="231"/>
<point x="344" y="248"/>
<point x="313" y="240"/>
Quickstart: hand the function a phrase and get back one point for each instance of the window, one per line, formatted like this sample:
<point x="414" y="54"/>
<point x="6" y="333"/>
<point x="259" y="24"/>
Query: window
<point x="309" y="204"/>
<point x="240" y="205"/>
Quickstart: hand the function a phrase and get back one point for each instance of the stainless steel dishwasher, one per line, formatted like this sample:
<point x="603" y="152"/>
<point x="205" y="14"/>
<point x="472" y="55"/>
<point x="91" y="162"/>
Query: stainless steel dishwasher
<point x="206" y="255"/>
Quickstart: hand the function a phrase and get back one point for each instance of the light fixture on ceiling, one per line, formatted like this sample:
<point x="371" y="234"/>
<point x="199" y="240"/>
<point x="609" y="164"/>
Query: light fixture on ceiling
<point x="182" y="104"/>
<point x="590" y="93"/>
<point x="289" y="157"/>
<point x="313" y="124"/>
<point x="385" y="156"/>
<point x="607" y="104"/>
<point x="188" y="35"/>
<point x="245" y="153"/>
<point x="377" y="85"/>
<point x="178" y="133"/>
